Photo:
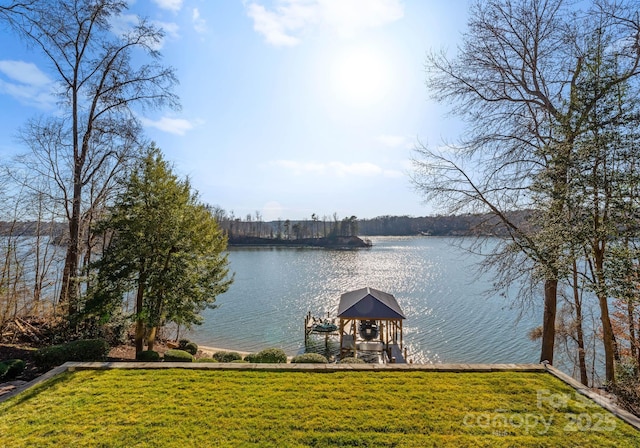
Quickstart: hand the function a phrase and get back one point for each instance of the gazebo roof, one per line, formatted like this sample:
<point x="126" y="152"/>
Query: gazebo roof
<point x="369" y="303"/>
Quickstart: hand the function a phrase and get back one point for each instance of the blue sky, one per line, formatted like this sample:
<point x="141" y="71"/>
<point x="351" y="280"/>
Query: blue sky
<point x="289" y="107"/>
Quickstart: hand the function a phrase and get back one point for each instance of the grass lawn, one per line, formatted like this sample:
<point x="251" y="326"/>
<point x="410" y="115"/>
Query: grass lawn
<point x="201" y="408"/>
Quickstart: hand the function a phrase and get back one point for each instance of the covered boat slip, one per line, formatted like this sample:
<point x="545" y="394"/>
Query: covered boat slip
<point x="370" y="326"/>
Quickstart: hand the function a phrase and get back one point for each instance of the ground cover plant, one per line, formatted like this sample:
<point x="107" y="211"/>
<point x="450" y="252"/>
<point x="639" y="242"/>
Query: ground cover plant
<point x="178" y="407"/>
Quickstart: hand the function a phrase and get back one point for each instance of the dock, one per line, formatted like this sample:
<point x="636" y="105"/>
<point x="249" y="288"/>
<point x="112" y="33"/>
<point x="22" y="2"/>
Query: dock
<point x="396" y="354"/>
<point x="369" y="325"/>
<point x="319" y="326"/>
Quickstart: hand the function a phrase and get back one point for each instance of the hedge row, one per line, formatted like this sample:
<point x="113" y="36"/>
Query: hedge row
<point x="98" y="349"/>
<point x="82" y="351"/>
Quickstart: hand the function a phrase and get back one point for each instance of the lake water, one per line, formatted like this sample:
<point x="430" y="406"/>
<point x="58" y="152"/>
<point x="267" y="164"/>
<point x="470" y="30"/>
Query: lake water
<point x="449" y="316"/>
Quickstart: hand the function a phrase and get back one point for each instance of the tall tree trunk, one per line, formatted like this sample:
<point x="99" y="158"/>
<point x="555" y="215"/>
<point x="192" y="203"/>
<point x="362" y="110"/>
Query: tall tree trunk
<point x="633" y="343"/>
<point x="584" y="379"/>
<point x="549" y="319"/>
<point x="607" y="339"/>
<point x="151" y="338"/>
<point x="140" y="327"/>
<point x="607" y="331"/>
<point x="638" y="359"/>
<point x="69" y="288"/>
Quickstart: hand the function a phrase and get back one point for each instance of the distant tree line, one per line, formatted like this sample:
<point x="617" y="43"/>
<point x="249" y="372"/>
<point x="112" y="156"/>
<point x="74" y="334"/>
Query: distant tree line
<point x="440" y="225"/>
<point x="327" y="227"/>
<point x="254" y="226"/>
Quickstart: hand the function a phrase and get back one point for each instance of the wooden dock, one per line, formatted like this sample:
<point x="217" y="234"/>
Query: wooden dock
<point x="396" y="356"/>
<point x="368" y="324"/>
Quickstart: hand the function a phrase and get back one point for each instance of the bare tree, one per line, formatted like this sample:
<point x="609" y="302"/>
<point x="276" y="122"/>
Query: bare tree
<point x="99" y="85"/>
<point x="515" y="84"/>
<point x="27" y="255"/>
<point x="9" y="9"/>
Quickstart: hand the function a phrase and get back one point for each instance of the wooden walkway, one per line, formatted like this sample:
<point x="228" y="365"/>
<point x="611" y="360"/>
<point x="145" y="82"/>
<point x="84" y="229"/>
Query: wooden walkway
<point x="397" y="357"/>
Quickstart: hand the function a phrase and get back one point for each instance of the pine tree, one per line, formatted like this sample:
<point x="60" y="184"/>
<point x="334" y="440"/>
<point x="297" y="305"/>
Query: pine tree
<point x="165" y="247"/>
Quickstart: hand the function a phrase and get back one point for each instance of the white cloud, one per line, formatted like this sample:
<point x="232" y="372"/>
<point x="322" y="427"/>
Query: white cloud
<point x="24" y="72"/>
<point x="178" y="126"/>
<point x="350" y="16"/>
<point x="27" y="83"/>
<point x="199" y="24"/>
<point x="171" y="5"/>
<point x="274" y="26"/>
<point x="336" y="169"/>
<point x="283" y="24"/>
<point x="170" y="28"/>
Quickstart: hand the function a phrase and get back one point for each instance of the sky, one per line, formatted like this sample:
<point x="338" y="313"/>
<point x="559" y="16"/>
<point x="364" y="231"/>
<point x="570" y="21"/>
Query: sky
<point x="289" y="107"/>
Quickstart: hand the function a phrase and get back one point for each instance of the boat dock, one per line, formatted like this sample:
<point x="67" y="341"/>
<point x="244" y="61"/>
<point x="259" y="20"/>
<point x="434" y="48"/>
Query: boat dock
<point x="369" y="325"/>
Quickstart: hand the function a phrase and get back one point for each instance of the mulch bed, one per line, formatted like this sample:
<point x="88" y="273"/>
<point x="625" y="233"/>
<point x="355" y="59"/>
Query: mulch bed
<point x="10" y="351"/>
<point x="28" y="334"/>
<point x="120" y="353"/>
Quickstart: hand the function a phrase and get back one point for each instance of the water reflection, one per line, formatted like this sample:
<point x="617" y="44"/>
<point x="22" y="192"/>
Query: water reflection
<point x="448" y="317"/>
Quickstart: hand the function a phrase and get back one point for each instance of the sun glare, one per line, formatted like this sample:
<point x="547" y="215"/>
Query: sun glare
<point x="361" y="77"/>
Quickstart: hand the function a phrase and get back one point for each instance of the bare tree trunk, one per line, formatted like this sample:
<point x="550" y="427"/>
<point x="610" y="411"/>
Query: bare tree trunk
<point x="608" y="338"/>
<point x="633" y="342"/>
<point x="140" y="327"/>
<point x="549" y="319"/>
<point x="69" y="287"/>
<point x="151" y="338"/>
<point x="638" y="354"/>
<point x="582" y="365"/>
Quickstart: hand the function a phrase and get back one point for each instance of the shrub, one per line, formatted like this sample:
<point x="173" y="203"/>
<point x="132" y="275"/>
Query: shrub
<point x="273" y="355"/>
<point x="269" y="355"/>
<point x="49" y="357"/>
<point x="352" y="361"/>
<point x="3" y="369"/>
<point x="15" y="368"/>
<point x="310" y="358"/>
<point x="205" y="360"/>
<point x="178" y="356"/>
<point x="191" y="347"/>
<point x="182" y="343"/>
<point x="81" y="351"/>
<point x="251" y="357"/>
<point x="148" y="356"/>
<point x="227" y="356"/>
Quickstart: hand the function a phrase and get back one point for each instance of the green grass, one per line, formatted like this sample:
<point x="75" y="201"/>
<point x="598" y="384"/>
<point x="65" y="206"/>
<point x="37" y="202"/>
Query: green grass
<point x="199" y="408"/>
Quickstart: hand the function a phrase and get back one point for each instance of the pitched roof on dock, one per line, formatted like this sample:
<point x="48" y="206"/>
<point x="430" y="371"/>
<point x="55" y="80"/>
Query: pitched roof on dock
<point x="369" y="303"/>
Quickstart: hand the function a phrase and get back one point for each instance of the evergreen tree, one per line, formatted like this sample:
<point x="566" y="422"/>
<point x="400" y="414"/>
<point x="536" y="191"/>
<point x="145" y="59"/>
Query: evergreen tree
<point x="165" y="247"/>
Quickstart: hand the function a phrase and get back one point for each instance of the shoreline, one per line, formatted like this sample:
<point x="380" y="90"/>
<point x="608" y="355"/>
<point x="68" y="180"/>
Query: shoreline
<point x="208" y="350"/>
<point x="211" y="350"/>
